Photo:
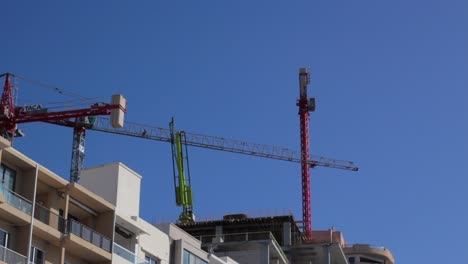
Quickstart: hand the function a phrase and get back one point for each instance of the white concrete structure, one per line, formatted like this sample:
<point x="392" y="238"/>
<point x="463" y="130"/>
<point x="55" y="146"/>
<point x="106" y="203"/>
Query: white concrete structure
<point x="116" y="183"/>
<point x="135" y="240"/>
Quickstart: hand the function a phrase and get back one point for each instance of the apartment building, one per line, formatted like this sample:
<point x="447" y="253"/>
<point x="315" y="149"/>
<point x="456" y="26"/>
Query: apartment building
<point x="48" y="220"/>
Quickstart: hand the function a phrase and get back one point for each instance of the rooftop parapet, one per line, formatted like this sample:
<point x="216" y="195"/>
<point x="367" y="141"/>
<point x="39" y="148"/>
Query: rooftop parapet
<point x="380" y="253"/>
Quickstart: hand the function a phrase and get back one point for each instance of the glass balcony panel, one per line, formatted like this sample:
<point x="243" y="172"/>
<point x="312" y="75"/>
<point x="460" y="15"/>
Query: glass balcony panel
<point x="10" y="256"/>
<point x="18" y="202"/>
<point x="75" y="228"/>
<point x="47" y="217"/>
<point x="86" y="233"/>
<point x="42" y="214"/>
<point x="96" y="239"/>
<point x="124" y="253"/>
<point x="106" y="244"/>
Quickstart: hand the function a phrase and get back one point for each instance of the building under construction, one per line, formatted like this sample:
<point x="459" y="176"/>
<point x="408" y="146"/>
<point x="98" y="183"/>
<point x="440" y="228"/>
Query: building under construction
<point x="279" y="240"/>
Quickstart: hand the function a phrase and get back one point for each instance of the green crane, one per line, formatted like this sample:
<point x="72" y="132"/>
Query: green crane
<point x="183" y="188"/>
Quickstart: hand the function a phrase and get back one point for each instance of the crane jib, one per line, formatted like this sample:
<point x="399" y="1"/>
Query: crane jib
<point x="221" y="144"/>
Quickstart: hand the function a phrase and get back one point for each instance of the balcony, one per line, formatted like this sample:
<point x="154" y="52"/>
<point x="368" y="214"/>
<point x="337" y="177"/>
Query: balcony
<point x="126" y="256"/>
<point x="11" y="257"/>
<point x="14" y="207"/>
<point x="49" y="225"/>
<point x="17" y="201"/>
<point x="87" y="243"/>
<point x="89" y="235"/>
<point x="49" y="218"/>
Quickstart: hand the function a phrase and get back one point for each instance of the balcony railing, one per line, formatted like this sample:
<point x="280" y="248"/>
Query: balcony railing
<point x="241" y="237"/>
<point x="127" y="255"/>
<point x="48" y="217"/>
<point x="237" y="237"/>
<point x="11" y="257"/>
<point x="16" y="200"/>
<point x="89" y="235"/>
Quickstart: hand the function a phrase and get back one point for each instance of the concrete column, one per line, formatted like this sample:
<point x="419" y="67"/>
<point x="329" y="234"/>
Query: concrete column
<point x="137" y="245"/>
<point x="265" y="254"/>
<point x="286" y="234"/>
<point x="218" y="235"/>
<point x="327" y="254"/>
<point x="178" y="252"/>
<point x="31" y="227"/>
<point x="65" y="216"/>
<point x="218" y="230"/>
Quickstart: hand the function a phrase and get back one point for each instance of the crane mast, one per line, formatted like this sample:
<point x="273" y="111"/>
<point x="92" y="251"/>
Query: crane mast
<point x="305" y="105"/>
<point x="7" y="110"/>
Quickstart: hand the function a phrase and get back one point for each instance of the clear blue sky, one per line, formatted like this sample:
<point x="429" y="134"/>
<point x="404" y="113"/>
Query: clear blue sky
<point x="390" y="79"/>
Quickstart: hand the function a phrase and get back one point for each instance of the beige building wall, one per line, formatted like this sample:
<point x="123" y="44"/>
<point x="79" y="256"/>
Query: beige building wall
<point x="105" y="223"/>
<point x="69" y="258"/>
<point x="103" y="180"/>
<point x="21" y="239"/>
<point x="26" y="185"/>
<point x="128" y="194"/>
<point x="52" y="253"/>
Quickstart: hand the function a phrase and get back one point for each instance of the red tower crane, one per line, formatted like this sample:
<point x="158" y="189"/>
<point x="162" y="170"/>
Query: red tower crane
<point x="11" y="116"/>
<point x="305" y="105"/>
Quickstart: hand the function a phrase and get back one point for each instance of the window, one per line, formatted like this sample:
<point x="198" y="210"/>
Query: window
<point x="37" y="256"/>
<point x="351" y="260"/>
<point x="150" y="260"/>
<point x="368" y="260"/>
<point x="190" y="258"/>
<point x="3" y="238"/>
<point x="8" y="177"/>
